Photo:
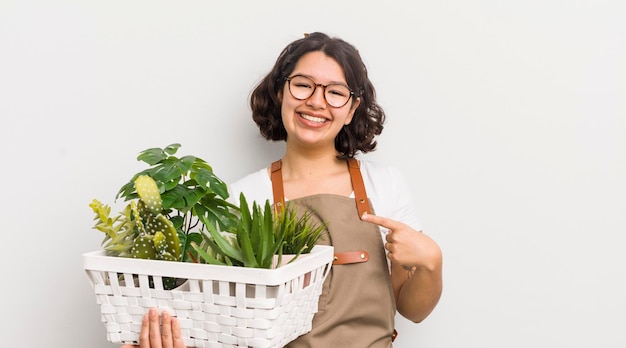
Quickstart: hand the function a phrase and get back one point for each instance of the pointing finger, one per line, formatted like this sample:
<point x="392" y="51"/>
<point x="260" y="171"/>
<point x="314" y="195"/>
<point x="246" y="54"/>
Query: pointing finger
<point x="381" y="221"/>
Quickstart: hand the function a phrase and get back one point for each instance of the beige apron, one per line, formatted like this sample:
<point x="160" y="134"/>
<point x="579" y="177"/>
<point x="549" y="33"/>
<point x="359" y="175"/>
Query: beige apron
<point x="357" y="306"/>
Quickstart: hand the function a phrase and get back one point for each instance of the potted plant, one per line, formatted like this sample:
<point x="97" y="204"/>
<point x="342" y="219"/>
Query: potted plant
<point x="178" y="211"/>
<point x="178" y="227"/>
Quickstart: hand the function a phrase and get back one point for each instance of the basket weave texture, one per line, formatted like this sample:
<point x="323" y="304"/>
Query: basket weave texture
<point x="217" y="306"/>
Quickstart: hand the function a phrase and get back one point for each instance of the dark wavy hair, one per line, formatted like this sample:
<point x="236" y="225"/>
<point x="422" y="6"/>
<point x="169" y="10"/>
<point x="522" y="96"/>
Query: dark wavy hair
<point x="368" y="118"/>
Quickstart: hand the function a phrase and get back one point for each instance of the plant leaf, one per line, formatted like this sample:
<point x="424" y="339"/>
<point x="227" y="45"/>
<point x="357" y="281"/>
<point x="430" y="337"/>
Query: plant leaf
<point x="268" y="240"/>
<point x="205" y="256"/>
<point x="185" y="163"/>
<point x="152" y="156"/>
<point x="223" y="245"/>
<point x="171" y="149"/>
<point x="218" y="186"/>
<point x="182" y="198"/>
<point x="244" y="232"/>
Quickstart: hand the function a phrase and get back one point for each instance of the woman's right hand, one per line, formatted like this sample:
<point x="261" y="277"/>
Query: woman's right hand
<point x="155" y="335"/>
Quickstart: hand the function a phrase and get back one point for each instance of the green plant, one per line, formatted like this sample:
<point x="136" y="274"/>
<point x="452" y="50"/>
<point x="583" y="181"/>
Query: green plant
<point x="173" y="194"/>
<point x="259" y="236"/>
<point x="178" y="211"/>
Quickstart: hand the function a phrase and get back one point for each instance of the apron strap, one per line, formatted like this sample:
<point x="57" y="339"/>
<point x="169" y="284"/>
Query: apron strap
<point x="277" y="186"/>
<point x="360" y="196"/>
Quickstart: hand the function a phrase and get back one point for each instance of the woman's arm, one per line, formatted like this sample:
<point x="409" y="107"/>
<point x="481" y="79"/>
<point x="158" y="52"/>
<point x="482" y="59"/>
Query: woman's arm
<point x="416" y="268"/>
<point x="417" y="283"/>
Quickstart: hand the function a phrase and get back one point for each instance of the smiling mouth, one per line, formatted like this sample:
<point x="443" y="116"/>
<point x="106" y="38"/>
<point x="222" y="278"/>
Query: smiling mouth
<point x="313" y="119"/>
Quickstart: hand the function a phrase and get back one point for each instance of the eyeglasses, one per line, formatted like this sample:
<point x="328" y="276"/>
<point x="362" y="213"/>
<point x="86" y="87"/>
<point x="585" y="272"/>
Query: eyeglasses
<point x="335" y="94"/>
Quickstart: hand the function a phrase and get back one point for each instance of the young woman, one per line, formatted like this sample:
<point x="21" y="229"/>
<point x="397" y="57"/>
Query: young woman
<point x="319" y="100"/>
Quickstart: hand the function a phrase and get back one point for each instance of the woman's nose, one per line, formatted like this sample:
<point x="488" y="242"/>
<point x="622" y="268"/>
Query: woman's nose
<point x="317" y="100"/>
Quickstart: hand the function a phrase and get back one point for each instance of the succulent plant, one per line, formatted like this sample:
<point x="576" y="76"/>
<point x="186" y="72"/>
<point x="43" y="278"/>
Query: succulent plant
<point x="259" y="236"/>
<point x="119" y="231"/>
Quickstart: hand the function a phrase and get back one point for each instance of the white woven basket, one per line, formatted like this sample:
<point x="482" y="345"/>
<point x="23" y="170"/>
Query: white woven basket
<point x="217" y="306"/>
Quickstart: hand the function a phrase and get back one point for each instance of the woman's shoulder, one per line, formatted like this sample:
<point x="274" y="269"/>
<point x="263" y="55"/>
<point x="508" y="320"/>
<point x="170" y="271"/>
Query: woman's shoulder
<point x="255" y="186"/>
<point x="390" y="192"/>
<point x="377" y="171"/>
<point x="254" y="177"/>
<point x="383" y="181"/>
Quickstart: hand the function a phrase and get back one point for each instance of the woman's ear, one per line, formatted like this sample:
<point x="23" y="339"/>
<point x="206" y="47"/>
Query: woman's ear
<point x="353" y="108"/>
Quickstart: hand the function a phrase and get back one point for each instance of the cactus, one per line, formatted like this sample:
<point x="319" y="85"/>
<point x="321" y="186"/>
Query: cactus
<point x="141" y="230"/>
<point x="148" y="234"/>
<point x="148" y="192"/>
<point x="158" y="231"/>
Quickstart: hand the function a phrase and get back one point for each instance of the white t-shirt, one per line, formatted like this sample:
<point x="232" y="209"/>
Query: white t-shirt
<point x="385" y="186"/>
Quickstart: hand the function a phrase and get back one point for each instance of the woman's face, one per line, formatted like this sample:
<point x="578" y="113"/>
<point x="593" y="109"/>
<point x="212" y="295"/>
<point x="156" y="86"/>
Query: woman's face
<point x="312" y="122"/>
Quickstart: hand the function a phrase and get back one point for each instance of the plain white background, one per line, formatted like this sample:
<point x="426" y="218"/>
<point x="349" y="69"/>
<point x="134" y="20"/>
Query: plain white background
<point x="509" y="119"/>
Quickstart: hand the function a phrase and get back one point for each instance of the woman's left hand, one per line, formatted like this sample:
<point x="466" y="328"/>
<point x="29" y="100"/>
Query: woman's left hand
<point x="416" y="262"/>
<point x="155" y="333"/>
<point x="405" y="245"/>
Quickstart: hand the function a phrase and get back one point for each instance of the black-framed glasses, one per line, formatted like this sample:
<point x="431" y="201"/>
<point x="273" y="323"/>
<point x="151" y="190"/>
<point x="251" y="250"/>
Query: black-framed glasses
<point x="335" y="94"/>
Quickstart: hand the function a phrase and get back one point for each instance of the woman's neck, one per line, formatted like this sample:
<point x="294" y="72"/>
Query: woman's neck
<point x="297" y="166"/>
<point x="310" y="175"/>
